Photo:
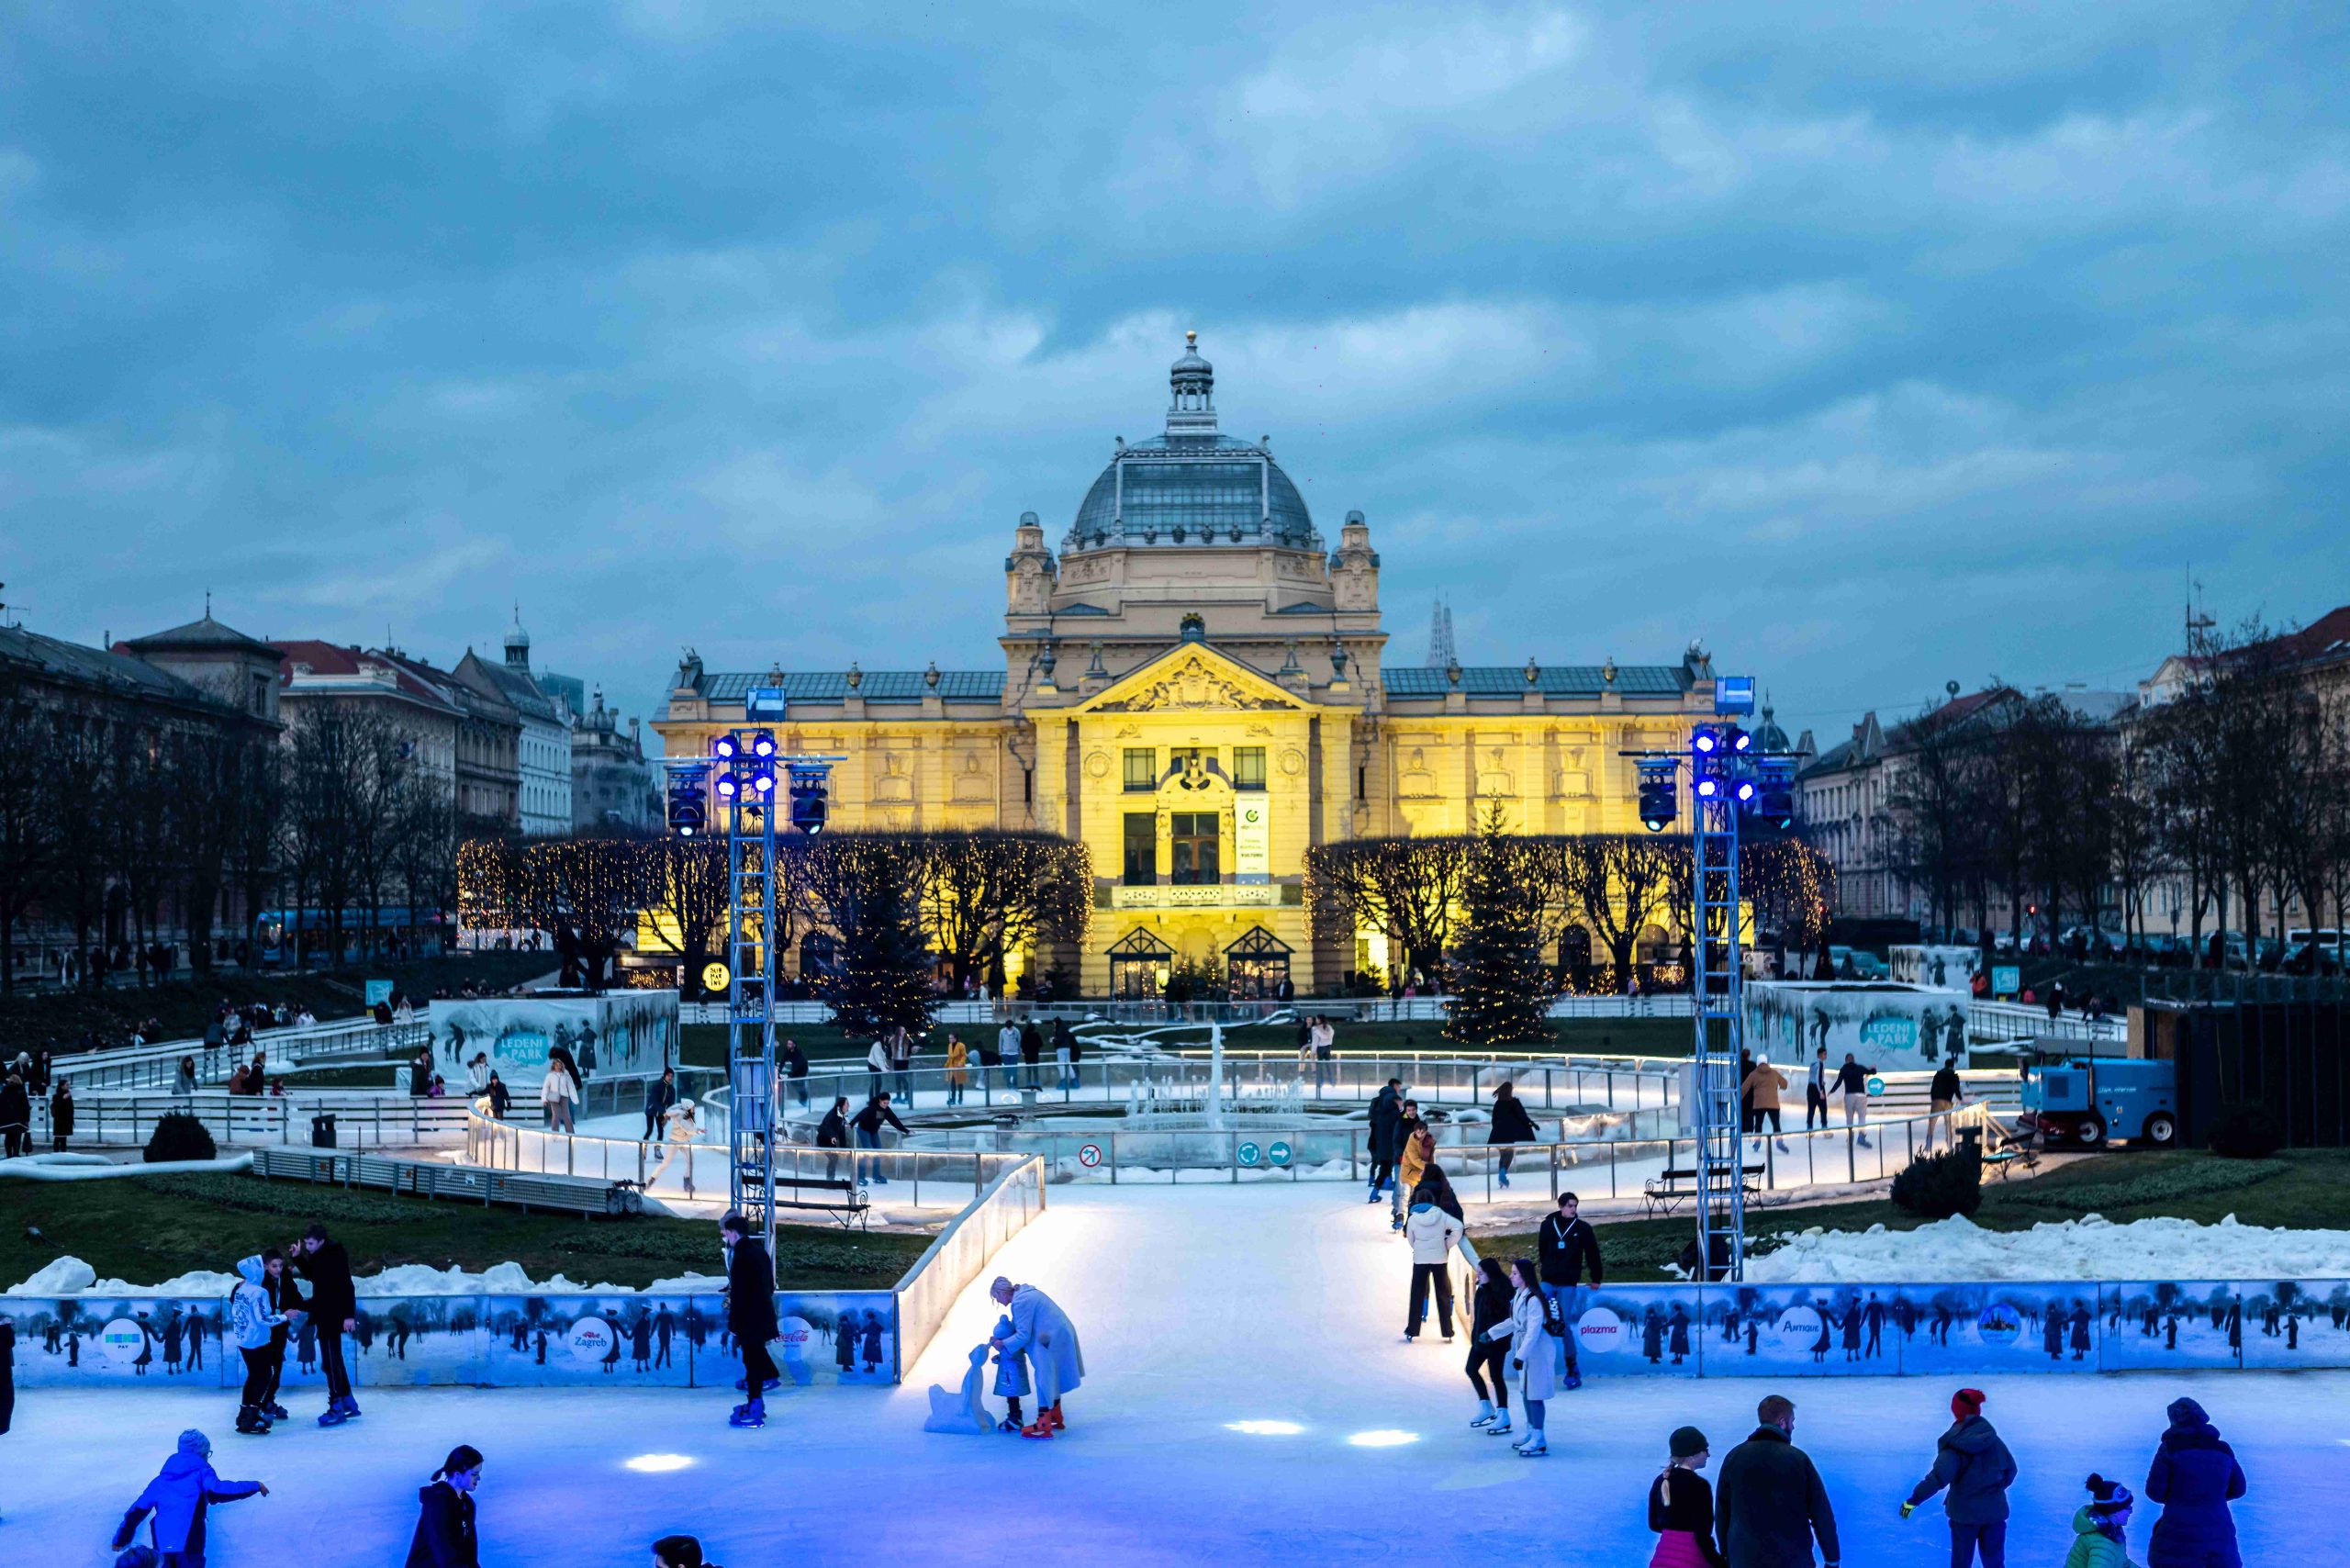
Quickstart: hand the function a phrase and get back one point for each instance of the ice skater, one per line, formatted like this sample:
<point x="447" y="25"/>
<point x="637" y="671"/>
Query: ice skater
<point x="1973" y="1462"/>
<point x="750" y="1316"/>
<point x="2195" y="1476"/>
<point x="446" y="1536"/>
<point x="1384" y="1142"/>
<point x="1489" y="1306"/>
<point x="253" y="1321"/>
<point x="1011" y="1375"/>
<point x="2100" y="1527"/>
<point x="1043" y="1332"/>
<point x="1853" y="1083"/>
<point x="1511" y="1126"/>
<point x="1534" y="1322"/>
<point x="684" y="1132"/>
<point x="180" y="1498"/>
<point x="1681" y="1507"/>
<point x="334" y="1308"/>
<point x="1432" y="1234"/>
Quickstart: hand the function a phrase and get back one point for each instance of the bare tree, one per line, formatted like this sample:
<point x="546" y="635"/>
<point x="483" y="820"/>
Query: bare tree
<point x="989" y="893"/>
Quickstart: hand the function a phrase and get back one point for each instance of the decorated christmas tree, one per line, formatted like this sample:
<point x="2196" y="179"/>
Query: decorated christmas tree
<point x="1502" y="989"/>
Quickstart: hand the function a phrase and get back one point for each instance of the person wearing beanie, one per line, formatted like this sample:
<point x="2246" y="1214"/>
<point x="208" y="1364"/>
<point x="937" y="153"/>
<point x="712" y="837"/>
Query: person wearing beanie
<point x="679" y="1552"/>
<point x="1681" y="1507"/>
<point x="1973" y="1470"/>
<point x="2195" y="1477"/>
<point x="2099" y="1524"/>
<point x="180" y="1497"/>
<point x="445" y="1537"/>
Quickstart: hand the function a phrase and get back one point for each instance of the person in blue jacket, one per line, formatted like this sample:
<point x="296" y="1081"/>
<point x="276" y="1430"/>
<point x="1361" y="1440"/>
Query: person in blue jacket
<point x="2195" y="1477"/>
<point x="179" y="1497"/>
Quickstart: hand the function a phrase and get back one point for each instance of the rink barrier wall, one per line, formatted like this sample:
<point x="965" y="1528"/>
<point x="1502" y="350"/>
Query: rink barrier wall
<point x="961" y="1252"/>
<point x="1960" y="1329"/>
<point x="584" y="1340"/>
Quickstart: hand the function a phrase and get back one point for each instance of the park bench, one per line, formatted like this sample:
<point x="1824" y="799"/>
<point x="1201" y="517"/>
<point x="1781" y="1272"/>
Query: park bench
<point x="1663" y="1192"/>
<point x="844" y="1200"/>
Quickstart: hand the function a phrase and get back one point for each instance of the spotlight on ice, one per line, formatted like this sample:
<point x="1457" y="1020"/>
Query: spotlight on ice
<point x="1386" y="1437"/>
<point x="1265" y="1428"/>
<point x="658" y="1464"/>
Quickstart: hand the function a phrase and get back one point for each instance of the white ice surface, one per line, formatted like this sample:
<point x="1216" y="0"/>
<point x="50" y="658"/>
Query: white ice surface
<point x="2087" y="1249"/>
<point x="1199" y="1307"/>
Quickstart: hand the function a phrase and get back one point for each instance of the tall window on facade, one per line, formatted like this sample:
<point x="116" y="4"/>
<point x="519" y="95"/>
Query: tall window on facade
<point x="1142" y="848"/>
<point x="1142" y="767"/>
<point x="1193" y="839"/>
<point x="1247" y="768"/>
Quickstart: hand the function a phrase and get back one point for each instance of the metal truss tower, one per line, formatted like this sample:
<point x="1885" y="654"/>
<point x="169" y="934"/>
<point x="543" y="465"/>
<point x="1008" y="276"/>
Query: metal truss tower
<point x="750" y="1015"/>
<point x="1717" y="993"/>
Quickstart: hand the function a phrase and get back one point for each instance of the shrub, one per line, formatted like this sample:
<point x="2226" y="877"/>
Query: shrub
<point x="1936" y="1186"/>
<point x="180" y="1136"/>
<point x="2246" y="1130"/>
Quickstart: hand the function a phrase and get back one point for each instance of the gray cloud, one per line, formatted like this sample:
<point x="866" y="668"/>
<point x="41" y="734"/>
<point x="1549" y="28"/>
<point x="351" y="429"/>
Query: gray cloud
<point x="1875" y="353"/>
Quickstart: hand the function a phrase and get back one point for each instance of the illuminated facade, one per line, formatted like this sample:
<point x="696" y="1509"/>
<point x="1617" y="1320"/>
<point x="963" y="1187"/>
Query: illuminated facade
<point x="1193" y="684"/>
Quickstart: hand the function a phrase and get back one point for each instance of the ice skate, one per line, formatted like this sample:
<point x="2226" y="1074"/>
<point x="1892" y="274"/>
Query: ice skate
<point x="751" y="1413"/>
<point x="1061" y="1422"/>
<point x="1041" y="1428"/>
<point x="250" y="1422"/>
<point x="274" y="1411"/>
<point x="1484" y="1417"/>
<point x="333" y="1416"/>
<point x="1500" y="1428"/>
<point x="1575" y="1378"/>
<point x="1534" y="1447"/>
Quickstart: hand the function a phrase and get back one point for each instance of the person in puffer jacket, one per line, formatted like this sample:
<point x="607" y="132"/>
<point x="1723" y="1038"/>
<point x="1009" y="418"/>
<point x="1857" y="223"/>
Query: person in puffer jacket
<point x="1974" y="1464"/>
<point x="179" y="1497"/>
<point x="252" y="1323"/>
<point x="2099" y="1527"/>
<point x="1432" y="1233"/>
<point x="2195" y="1477"/>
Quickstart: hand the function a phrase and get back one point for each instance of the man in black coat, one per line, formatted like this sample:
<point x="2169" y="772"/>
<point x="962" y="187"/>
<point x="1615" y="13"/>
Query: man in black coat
<point x="1771" y="1504"/>
<point x="1032" y="1051"/>
<point x="1386" y="1115"/>
<point x="659" y="1095"/>
<point x="832" y="1132"/>
<point x="1511" y="1125"/>
<point x="750" y="1316"/>
<point x="1564" y="1245"/>
<point x="334" y="1312"/>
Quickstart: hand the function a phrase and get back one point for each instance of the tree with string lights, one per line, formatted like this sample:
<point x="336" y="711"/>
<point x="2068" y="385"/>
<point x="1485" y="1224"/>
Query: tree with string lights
<point x="1502" y="989"/>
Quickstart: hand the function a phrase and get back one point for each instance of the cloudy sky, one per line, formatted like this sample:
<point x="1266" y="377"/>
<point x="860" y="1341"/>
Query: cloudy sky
<point x="1878" y="345"/>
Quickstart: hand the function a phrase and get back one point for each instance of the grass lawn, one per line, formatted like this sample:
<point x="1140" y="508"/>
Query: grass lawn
<point x="2301" y="1189"/>
<point x="151" y="1228"/>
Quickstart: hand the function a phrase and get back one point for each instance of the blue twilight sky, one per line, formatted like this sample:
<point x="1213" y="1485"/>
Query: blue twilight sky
<point x="1946" y="339"/>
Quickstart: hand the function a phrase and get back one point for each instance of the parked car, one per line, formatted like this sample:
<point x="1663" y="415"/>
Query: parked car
<point x="2089" y="1102"/>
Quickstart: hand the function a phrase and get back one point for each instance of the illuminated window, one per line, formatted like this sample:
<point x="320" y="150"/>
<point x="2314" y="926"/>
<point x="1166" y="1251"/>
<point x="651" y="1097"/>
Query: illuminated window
<point x="1142" y="767"/>
<point x="1193" y="839"/>
<point x="1249" y="768"/>
<point x="1141" y="849"/>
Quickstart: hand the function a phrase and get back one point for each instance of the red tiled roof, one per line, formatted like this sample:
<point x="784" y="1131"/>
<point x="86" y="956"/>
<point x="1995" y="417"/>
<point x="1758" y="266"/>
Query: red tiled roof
<point x="335" y="659"/>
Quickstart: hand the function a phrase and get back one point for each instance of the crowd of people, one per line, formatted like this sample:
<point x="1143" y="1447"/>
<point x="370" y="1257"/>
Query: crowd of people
<point x="1772" y="1506"/>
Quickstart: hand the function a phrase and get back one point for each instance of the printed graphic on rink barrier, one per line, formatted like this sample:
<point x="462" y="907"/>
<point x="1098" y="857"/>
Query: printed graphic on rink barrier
<point x="1907" y="1330"/>
<point x="496" y="1341"/>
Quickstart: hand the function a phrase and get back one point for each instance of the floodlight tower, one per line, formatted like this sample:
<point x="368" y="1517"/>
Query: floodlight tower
<point x="1721" y="786"/>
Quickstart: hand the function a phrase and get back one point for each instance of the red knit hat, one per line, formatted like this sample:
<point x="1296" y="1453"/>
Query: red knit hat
<point x="1967" y="1401"/>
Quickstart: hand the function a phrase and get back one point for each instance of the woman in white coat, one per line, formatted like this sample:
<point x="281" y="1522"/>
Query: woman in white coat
<point x="1532" y="1329"/>
<point x="557" y="1094"/>
<point x="1041" y="1331"/>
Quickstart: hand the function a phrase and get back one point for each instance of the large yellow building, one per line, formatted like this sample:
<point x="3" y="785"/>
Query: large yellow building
<point x="1194" y="685"/>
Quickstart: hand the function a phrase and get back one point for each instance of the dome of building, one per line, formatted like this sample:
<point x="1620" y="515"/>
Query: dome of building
<point x="1192" y="486"/>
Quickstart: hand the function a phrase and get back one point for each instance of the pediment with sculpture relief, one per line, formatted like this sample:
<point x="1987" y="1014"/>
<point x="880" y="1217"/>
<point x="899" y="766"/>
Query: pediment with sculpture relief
<point x="1192" y="678"/>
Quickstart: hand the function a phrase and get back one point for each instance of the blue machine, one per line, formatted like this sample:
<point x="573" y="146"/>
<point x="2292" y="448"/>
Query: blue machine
<point x="2091" y="1100"/>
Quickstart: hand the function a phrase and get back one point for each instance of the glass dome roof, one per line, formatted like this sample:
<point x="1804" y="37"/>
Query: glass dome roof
<point x="1192" y="486"/>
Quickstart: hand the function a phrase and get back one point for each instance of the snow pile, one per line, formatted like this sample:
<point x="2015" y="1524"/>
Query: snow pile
<point x="2089" y="1248"/>
<point x="71" y="1276"/>
<point x="98" y="1168"/>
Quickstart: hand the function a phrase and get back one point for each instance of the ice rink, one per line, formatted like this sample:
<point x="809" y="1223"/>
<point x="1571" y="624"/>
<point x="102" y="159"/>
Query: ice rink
<point x="1200" y="1308"/>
